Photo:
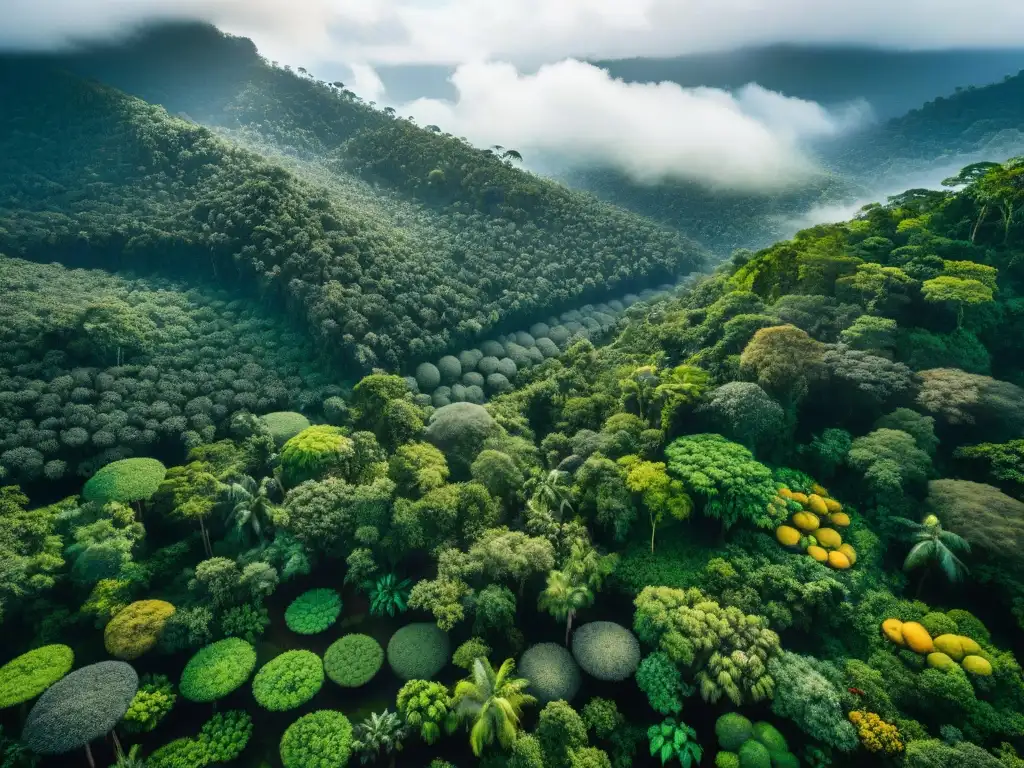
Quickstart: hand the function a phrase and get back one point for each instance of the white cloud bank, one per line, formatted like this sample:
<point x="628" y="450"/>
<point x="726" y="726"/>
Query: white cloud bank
<point x="652" y="131"/>
<point x="530" y="32"/>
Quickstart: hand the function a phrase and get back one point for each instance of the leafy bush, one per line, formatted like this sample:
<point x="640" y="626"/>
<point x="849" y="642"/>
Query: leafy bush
<point x="81" y="707"/>
<point x="284" y="425"/>
<point x="217" y="670"/>
<point x="353" y="660"/>
<point x="180" y="753"/>
<point x="225" y="735"/>
<point x="806" y="692"/>
<point x="418" y="651"/>
<point x="137" y="628"/>
<point x="322" y="738"/>
<point x="471" y="650"/>
<point x="152" y="703"/>
<point x="428" y="706"/>
<point x="288" y="681"/>
<point x="388" y="595"/>
<point x="125" y="481"/>
<point x="660" y="679"/>
<point x="25" y="677"/>
<point x="733" y="730"/>
<point x="248" y="622"/>
<point x="315" y="452"/>
<point x="606" y="650"/>
<point x="552" y="672"/>
<point x="459" y="431"/>
<point x="313" y="612"/>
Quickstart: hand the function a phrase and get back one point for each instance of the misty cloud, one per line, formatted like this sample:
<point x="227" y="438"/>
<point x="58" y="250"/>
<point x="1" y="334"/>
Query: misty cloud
<point x="652" y="131"/>
<point x="527" y="32"/>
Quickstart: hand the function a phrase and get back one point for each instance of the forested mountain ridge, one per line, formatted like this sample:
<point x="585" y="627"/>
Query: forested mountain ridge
<point x="792" y="494"/>
<point x="96" y="177"/>
<point x="972" y="120"/>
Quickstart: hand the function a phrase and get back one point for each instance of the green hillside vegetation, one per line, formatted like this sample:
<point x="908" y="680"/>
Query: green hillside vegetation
<point x="458" y="242"/>
<point x="96" y="367"/>
<point x="972" y="120"/>
<point x="781" y="511"/>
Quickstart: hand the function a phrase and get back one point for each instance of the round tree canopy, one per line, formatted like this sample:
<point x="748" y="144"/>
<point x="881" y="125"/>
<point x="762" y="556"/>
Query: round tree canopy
<point x="81" y="707"/>
<point x="126" y="481"/>
<point x="25" y="677"/>
<point x="217" y="670"/>
<point x="313" y="611"/>
<point x="606" y="650"/>
<point x="552" y="671"/>
<point x="317" y="739"/>
<point x="284" y="425"/>
<point x="353" y="660"/>
<point x="419" y="651"/>
<point x="136" y="628"/>
<point x="288" y="681"/>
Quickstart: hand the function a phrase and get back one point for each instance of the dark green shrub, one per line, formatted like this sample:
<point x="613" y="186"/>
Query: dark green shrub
<point x="732" y="730"/>
<point x="552" y="672"/>
<point x="353" y="660"/>
<point x="81" y="707"/>
<point x="418" y="651"/>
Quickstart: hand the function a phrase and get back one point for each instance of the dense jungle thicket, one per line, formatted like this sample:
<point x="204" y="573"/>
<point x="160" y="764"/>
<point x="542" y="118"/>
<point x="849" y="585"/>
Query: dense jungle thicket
<point x="769" y="518"/>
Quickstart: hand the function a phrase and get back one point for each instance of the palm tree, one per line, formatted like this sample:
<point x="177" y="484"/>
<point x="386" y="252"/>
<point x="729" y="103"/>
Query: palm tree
<point x="379" y="733"/>
<point x="554" y="493"/>
<point x="934" y="546"/>
<point x="250" y="507"/>
<point x="494" y="702"/>
<point x="563" y="596"/>
<point x="512" y="154"/>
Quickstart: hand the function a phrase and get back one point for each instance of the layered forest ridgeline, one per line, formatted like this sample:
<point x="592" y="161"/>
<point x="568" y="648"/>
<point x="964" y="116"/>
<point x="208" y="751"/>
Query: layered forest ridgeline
<point x="457" y="243"/>
<point x="658" y="505"/>
<point x="985" y="123"/>
<point x="97" y="367"/>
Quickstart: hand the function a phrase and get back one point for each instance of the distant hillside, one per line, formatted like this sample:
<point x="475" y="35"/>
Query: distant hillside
<point x="973" y="120"/>
<point x="456" y="242"/>
<point x="893" y="82"/>
<point x="971" y="125"/>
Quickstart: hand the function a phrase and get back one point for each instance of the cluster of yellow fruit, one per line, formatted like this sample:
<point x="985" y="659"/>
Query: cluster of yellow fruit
<point x="807" y="532"/>
<point x="875" y="734"/>
<point x="943" y="651"/>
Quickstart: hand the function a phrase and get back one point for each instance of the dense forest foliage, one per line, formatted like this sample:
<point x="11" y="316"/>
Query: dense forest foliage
<point x="768" y="518"/>
<point x="773" y="522"/>
<point x="93" y="177"/>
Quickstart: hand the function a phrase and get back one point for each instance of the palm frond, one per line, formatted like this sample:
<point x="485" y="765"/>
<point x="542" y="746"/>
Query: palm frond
<point x="921" y="554"/>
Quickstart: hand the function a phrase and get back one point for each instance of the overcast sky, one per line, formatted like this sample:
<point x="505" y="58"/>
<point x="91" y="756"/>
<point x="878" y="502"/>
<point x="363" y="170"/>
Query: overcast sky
<point x="751" y="137"/>
<point x="530" y="32"/>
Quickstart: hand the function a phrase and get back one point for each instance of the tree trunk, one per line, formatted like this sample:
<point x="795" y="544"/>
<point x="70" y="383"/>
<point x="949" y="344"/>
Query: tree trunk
<point x="920" y="585"/>
<point x="568" y="627"/>
<point x="88" y="754"/>
<point x="974" y="232"/>
<point x="654" y="528"/>
<point x="117" y="742"/>
<point x="206" y="538"/>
